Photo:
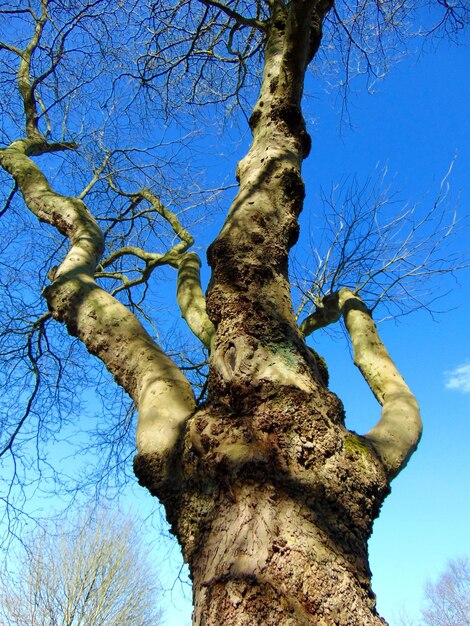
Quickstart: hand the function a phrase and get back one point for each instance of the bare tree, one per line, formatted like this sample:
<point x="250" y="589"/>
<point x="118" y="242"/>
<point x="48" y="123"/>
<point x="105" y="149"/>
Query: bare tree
<point x="93" y="571"/>
<point x="271" y="497"/>
<point x="447" y="601"/>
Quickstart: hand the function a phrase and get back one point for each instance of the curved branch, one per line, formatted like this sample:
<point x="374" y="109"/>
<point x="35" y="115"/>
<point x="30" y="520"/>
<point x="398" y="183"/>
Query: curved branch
<point x="152" y="259"/>
<point x="161" y="392"/>
<point x="396" y="436"/>
<point x="148" y="257"/>
<point x="326" y="313"/>
<point x="69" y="215"/>
<point x="191" y="298"/>
<point x="25" y="82"/>
<point x="240" y="19"/>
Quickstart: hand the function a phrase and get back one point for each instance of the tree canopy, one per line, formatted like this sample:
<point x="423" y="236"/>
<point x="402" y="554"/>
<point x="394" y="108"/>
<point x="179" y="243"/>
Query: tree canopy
<point x="111" y="115"/>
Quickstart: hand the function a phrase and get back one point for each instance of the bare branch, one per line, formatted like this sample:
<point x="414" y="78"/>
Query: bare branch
<point x="159" y="424"/>
<point x="240" y="19"/>
<point x="8" y="200"/>
<point x="86" y="570"/>
<point x="447" y="601"/>
<point x="35" y="334"/>
<point x="389" y="256"/>
<point x="152" y="260"/>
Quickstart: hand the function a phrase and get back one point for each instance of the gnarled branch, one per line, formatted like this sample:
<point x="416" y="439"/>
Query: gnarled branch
<point x="161" y="392"/>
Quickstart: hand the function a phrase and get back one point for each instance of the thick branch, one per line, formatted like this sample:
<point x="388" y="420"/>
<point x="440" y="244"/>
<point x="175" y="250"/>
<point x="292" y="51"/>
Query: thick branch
<point x="69" y="215"/>
<point x="25" y="83"/>
<point x="161" y="392"/>
<point x="326" y="313"/>
<point x="249" y="298"/>
<point x="397" y="434"/>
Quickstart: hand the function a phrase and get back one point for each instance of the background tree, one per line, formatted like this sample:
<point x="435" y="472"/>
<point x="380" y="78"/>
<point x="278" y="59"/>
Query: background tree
<point x="92" y="570"/>
<point x="271" y="497"/>
<point x="447" y="601"/>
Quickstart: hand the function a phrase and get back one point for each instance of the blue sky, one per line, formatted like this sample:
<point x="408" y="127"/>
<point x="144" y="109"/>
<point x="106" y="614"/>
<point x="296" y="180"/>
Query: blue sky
<point x="414" y="124"/>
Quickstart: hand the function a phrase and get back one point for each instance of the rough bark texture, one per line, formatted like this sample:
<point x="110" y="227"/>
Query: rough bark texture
<point x="273" y="502"/>
<point x="270" y="496"/>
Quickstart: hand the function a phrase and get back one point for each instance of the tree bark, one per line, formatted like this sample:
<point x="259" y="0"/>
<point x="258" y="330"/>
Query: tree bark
<point x="273" y="501"/>
<point x="270" y="496"/>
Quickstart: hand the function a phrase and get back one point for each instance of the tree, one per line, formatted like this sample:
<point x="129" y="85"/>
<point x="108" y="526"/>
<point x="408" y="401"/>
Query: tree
<point x="90" y="571"/>
<point x="447" y="601"/>
<point x="271" y="497"/>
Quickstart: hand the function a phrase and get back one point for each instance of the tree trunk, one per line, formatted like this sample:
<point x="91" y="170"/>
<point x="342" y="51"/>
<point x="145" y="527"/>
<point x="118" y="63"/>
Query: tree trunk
<point x="270" y="496"/>
<point x="273" y="503"/>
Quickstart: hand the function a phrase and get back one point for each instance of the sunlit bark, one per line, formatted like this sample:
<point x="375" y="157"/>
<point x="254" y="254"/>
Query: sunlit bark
<point x="397" y="434"/>
<point x="191" y="298"/>
<point x="162" y="394"/>
<point x="249" y="298"/>
<point x="279" y="498"/>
